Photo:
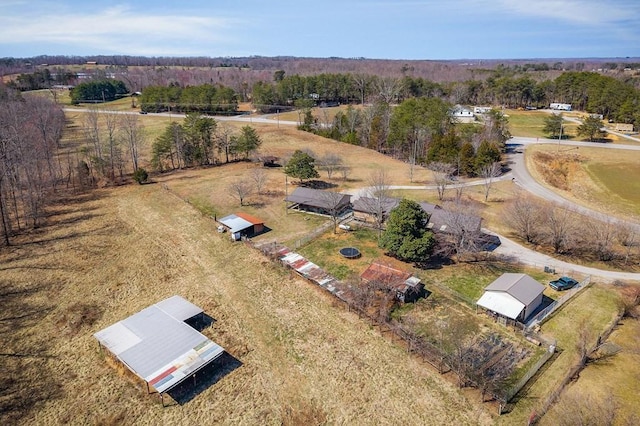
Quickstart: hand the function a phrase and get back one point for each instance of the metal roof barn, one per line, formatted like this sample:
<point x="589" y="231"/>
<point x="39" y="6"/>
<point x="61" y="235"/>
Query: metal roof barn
<point x="235" y="223"/>
<point x="158" y="346"/>
<point x="512" y="295"/>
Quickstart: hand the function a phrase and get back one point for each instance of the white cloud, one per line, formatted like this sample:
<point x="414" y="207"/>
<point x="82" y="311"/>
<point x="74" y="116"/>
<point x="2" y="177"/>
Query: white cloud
<point x="119" y="29"/>
<point x="591" y="12"/>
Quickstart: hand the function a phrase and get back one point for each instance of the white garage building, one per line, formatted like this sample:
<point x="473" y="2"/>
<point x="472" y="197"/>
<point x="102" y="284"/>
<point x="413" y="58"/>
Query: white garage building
<point x="513" y="296"/>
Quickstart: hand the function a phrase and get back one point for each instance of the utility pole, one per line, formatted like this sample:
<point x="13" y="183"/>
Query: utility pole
<point x="560" y="137"/>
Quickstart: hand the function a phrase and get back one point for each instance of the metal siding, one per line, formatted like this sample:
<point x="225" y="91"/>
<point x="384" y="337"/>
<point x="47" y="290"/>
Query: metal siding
<point x="179" y="308"/>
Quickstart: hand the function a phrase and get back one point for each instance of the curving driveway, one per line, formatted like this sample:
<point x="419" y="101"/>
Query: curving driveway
<point x="523" y="178"/>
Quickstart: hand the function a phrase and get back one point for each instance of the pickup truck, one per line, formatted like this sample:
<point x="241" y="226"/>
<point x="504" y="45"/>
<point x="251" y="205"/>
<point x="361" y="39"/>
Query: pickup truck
<point x="563" y="283"/>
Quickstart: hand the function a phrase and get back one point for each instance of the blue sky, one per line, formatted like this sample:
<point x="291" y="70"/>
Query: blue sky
<point x="398" y="29"/>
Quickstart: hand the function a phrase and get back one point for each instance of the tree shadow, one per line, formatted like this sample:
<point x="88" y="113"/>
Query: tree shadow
<point x="205" y="378"/>
<point x="25" y="360"/>
<point x="318" y="184"/>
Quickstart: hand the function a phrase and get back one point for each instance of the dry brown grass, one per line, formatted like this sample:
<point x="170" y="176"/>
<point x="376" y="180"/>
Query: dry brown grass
<point x="578" y="176"/>
<point x="302" y="357"/>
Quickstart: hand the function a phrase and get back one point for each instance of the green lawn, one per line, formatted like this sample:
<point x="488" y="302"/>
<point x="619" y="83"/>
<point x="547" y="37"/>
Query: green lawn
<point x="531" y="123"/>
<point x="620" y="181"/>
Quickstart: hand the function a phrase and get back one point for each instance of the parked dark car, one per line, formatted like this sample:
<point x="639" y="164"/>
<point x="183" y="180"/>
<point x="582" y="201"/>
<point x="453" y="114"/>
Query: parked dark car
<point x="563" y="283"/>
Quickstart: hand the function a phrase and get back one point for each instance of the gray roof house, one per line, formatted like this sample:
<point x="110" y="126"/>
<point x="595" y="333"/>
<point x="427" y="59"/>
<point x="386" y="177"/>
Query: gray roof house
<point x="514" y="296"/>
<point x="440" y="220"/>
<point x="317" y="201"/>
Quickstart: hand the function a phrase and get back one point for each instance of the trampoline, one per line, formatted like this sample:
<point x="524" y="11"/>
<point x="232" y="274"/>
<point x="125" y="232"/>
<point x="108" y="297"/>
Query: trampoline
<point x="350" y="252"/>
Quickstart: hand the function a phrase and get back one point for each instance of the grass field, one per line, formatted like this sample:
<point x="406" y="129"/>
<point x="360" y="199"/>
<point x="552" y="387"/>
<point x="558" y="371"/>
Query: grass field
<point x="109" y="254"/>
<point x="302" y="358"/>
<point x="603" y="179"/>
<point x="614" y="381"/>
<point x="593" y="309"/>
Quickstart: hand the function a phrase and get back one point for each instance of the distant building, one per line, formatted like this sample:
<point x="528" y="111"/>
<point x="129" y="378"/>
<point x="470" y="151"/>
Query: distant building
<point x="462" y="114"/>
<point x="560" y="107"/>
<point x="481" y="109"/>
<point x="622" y="127"/>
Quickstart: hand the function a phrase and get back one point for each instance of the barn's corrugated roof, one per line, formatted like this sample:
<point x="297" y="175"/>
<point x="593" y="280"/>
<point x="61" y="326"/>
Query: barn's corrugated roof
<point x="235" y="223"/>
<point x="249" y="218"/>
<point x="317" y="198"/>
<point x="158" y="346"/>
<point x="521" y="286"/>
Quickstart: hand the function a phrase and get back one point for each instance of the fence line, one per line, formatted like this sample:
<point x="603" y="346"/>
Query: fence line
<point x="573" y="372"/>
<point x="513" y="391"/>
<point x="543" y="315"/>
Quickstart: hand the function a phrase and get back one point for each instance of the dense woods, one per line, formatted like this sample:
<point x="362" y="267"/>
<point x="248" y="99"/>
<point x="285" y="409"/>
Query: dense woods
<point x="30" y="130"/>
<point x="205" y="98"/>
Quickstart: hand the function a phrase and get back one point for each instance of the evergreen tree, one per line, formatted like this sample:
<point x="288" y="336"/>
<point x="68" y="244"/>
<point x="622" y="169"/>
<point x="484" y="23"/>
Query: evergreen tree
<point x="407" y="236"/>
<point x="301" y="166"/>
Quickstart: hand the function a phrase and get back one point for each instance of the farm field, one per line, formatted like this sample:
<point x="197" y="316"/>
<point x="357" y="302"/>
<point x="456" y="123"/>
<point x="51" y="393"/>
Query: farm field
<point x="300" y="358"/>
<point x="603" y="179"/>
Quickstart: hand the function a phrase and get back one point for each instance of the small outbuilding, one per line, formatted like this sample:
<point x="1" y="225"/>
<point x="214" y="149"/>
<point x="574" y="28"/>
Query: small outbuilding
<point x="157" y="345"/>
<point x="242" y="225"/>
<point x="407" y="287"/>
<point x="513" y="296"/>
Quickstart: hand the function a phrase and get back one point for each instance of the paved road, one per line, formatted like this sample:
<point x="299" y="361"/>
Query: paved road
<point x="523" y="178"/>
<point x="249" y="119"/>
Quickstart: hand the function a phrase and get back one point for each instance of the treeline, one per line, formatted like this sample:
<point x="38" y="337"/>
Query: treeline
<point x="420" y="131"/>
<point x="566" y="232"/>
<point x="98" y="91"/>
<point x="588" y="91"/>
<point x="42" y="79"/>
<point x="205" y="98"/>
<point x="201" y="141"/>
<point x="30" y="131"/>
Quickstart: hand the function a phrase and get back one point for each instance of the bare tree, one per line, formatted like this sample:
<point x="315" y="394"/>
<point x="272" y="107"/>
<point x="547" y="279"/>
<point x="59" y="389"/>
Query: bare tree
<point x="599" y="237"/>
<point x="442" y="176"/>
<point x="259" y="178"/>
<point x="559" y="227"/>
<point x="489" y="172"/>
<point x="240" y="189"/>
<point x="224" y="140"/>
<point x="334" y="206"/>
<point x="377" y="201"/>
<point x="112" y="122"/>
<point x="345" y="171"/>
<point x="463" y="224"/>
<point x="525" y="215"/>
<point x="362" y="82"/>
<point x="628" y="237"/>
<point x="387" y="89"/>
<point x="330" y="162"/>
<point x="133" y="135"/>
<point x="92" y="129"/>
<point x="27" y="175"/>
